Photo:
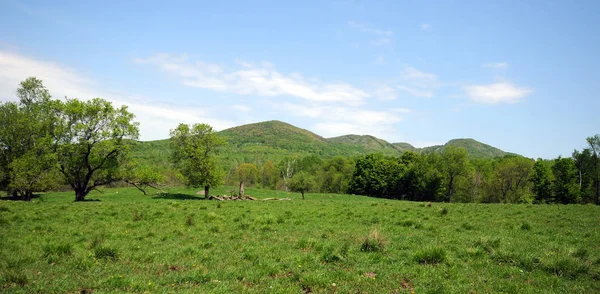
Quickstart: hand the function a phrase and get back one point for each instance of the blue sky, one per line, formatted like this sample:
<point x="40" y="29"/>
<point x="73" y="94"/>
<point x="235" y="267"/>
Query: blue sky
<point x="522" y="76"/>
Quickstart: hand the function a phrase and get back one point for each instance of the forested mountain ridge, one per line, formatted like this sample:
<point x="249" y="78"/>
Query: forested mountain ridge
<point x="274" y="140"/>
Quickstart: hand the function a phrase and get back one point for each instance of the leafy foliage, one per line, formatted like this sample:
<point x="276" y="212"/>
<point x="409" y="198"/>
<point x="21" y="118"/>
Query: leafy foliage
<point x="89" y="142"/>
<point x="194" y="149"/>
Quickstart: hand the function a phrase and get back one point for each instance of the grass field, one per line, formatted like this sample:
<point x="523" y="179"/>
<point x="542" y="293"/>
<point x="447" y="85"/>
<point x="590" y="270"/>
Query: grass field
<point x="128" y="242"/>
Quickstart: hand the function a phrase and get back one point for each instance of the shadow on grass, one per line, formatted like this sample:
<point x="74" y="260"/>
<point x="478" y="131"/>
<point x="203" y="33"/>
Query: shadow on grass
<point x="88" y="200"/>
<point x="17" y="198"/>
<point x="177" y="196"/>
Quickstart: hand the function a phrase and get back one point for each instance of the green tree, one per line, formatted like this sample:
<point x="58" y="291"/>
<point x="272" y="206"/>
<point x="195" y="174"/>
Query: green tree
<point x="246" y="173"/>
<point x="454" y="164"/>
<point x="510" y="179"/>
<point x="194" y="149"/>
<point x="564" y="186"/>
<point x="302" y="182"/>
<point x="334" y="175"/>
<point x="27" y="158"/>
<point x="594" y="143"/>
<point x="541" y="181"/>
<point x="376" y="175"/>
<point x="269" y="175"/>
<point x="90" y="143"/>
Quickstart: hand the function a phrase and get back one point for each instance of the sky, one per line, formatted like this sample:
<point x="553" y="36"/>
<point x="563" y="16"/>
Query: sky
<point x="522" y="76"/>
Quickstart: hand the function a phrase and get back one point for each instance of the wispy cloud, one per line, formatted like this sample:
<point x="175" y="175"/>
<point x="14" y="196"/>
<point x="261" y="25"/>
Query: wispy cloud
<point x="425" y="26"/>
<point x="242" y="108"/>
<point x="385" y="92"/>
<point x="380" y="37"/>
<point x="156" y="118"/>
<point x="496" y="93"/>
<point x="251" y="79"/>
<point x="495" y="65"/>
<point x="331" y="121"/>
<point x="380" y="60"/>
<point x="418" y="83"/>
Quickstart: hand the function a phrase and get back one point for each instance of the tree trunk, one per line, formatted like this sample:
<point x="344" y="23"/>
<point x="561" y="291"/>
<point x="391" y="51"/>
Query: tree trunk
<point x="206" y="189"/>
<point x="241" y="189"/>
<point x="80" y="195"/>
<point x="302" y="195"/>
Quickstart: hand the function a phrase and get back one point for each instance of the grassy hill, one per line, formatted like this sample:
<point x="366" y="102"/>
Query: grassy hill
<point x="274" y="140"/>
<point x="474" y="148"/>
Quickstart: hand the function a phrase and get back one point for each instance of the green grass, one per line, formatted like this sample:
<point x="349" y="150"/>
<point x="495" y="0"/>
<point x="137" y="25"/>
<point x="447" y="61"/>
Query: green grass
<point x="175" y="242"/>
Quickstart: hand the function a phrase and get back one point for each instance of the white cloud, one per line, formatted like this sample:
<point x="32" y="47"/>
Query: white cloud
<point x="496" y="93"/>
<point x="250" y="79"/>
<point x="402" y="110"/>
<point x="242" y="108"/>
<point x="418" y="83"/>
<point x="416" y="92"/>
<point x="380" y="60"/>
<point x="156" y="118"/>
<point x="495" y="65"/>
<point x="385" y="92"/>
<point x="425" y="26"/>
<point x="337" y="121"/>
<point x="382" y="37"/>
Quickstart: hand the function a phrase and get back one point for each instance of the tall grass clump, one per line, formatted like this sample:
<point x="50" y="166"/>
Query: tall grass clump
<point x="431" y="255"/>
<point x="106" y="253"/>
<point x="374" y="242"/>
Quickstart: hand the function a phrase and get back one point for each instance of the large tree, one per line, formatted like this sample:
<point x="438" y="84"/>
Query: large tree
<point x="246" y="173"/>
<point x="564" y="186"/>
<point x="269" y="175"/>
<point x="594" y="143"/>
<point x="26" y="158"/>
<point x="90" y="143"/>
<point x="194" y="148"/>
<point x="541" y="181"/>
<point x="510" y="179"/>
<point x="302" y="182"/>
<point x="454" y="164"/>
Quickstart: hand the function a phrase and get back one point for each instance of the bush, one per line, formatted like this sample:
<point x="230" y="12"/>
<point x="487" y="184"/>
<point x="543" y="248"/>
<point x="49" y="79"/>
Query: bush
<point x="444" y="211"/>
<point x="374" y="242"/>
<point x="431" y="255"/>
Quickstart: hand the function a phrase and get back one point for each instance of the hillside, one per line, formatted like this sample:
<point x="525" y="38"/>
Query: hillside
<point x="370" y="144"/>
<point x="474" y="148"/>
<point x="274" y="140"/>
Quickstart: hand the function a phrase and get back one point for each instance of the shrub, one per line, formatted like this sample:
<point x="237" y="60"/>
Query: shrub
<point x="373" y="242"/>
<point x="444" y="211"/>
<point x="431" y="255"/>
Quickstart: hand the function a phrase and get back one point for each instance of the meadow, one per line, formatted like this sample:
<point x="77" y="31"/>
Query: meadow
<point x="176" y="242"/>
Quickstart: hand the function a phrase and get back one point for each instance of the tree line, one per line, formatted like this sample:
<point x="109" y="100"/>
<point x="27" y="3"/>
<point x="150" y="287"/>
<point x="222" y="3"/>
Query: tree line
<point x="46" y="143"/>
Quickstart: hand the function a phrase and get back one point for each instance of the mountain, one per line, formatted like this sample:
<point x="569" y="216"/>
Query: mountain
<point x="474" y="148"/>
<point x="274" y="140"/>
<point x="370" y="144"/>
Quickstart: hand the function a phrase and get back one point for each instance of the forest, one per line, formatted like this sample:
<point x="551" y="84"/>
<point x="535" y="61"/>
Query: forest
<point x="48" y="144"/>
